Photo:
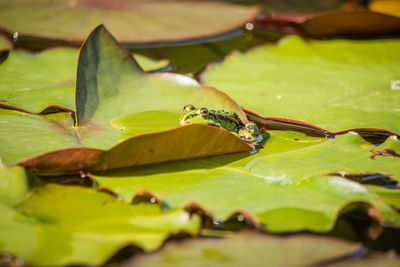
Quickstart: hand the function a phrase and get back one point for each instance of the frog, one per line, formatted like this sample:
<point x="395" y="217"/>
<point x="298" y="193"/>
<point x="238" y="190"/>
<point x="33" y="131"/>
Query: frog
<point x="230" y="121"/>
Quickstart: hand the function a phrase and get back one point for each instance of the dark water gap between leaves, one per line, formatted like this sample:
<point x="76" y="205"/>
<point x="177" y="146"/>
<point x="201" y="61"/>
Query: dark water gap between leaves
<point x="74" y="179"/>
<point x="371" y="135"/>
<point x="377" y="179"/>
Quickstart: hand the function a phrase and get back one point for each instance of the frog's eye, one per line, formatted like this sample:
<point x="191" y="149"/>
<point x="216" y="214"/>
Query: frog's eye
<point x="203" y="112"/>
<point x="251" y="126"/>
<point x="188" y="108"/>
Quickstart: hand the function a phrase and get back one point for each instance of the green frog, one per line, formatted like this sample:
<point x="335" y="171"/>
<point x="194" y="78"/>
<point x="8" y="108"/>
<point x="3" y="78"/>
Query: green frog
<point x="229" y="121"/>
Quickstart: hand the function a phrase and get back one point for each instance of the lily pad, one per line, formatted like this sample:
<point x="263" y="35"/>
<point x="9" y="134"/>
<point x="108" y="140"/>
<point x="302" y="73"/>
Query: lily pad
<point x="147" y="21"/>
<point x="391" y="196"/>
<point x="337" y="85"/>
<point x="357" y="23"/>
<point x="56" y="141"/>
<point x="250" y="249"/>
<point x="13" y="189"/>
<point x="33" y="82"/>
<point x="111" y="89"/>
<point x="338" y="23"/>
<point x="84" y="226"/>
<point x="17" y="235"/>
<point x="36" y="134"/>
<point x="286" y="179"/>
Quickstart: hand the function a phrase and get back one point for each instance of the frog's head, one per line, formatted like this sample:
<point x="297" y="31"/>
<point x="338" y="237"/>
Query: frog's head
<point x="250" y="133"/>
<point x="252" y="128"/>
<point x="193" y="115"/>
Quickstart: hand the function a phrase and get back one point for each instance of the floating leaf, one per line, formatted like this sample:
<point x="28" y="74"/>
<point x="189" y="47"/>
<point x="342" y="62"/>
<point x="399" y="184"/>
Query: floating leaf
<point x="13" y="188"/>
<point x="111" y="89"/>
<point x="17" y="235"/>
<point x="286" y="179"/>
<point x="147" y="21"/>
<point x="84" y="226"/>
<point x="36" y="134"/>
<point x="350" y="23"/>
<point x="391" y="196"/>
<point x="97" y="226"/>
<point x="336" y="85"/>
<point x="33" y="82"/>
<point x="53" y="137"/>
<point x="250" y="249"/>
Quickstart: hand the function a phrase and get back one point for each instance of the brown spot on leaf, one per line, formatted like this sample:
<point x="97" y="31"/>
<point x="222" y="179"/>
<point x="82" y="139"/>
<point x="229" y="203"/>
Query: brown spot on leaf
<point x="384" y="153"/>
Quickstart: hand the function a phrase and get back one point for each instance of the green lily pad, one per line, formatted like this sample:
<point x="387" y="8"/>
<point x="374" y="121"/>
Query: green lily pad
<point x="33" y="82"/>
<point x="50" y="143"/>
<point x="91" y="226"/>
<point x="250" y="249"/>
<point x="13" y="189"/>
<point x="112" y="94"/>
<point x="82" y="225"/>
<point x="287" y="179"/>
<point x="391" y="196"/>
<point x="336" y="85"/>
<point x="17" y="235"/>
<point x="147" y="21"/>
<point x="36" y="134"/>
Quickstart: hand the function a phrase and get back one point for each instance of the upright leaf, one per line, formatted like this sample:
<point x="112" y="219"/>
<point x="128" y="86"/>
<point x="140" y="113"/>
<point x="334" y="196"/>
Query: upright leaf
<point x="110" y="85"/>
<point x="35" y="82"/>
<point x="111" y="91"/>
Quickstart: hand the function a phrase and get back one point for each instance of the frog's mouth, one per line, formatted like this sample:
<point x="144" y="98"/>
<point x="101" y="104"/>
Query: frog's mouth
<point x="188" y="117"/>
<point x="185" y="122"/>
